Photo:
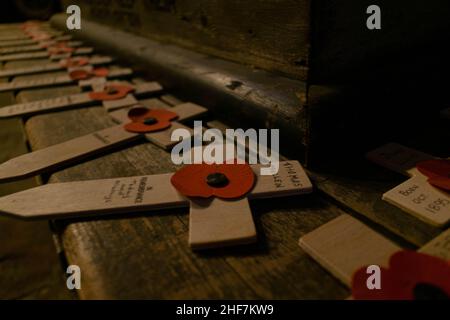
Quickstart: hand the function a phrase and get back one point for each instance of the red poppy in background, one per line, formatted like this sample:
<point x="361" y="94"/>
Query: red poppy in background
<point x="227" y="181"/>
<point x="149" y="120"/>
<point x="74" y="62"/>
<point x="81" y="74"/>
<point x="60" y="48"/>
<point x="411" y="275"/>
<point x="437" y="171"/>
<point x="111" y="92"/>
<point x="41" y="36"/>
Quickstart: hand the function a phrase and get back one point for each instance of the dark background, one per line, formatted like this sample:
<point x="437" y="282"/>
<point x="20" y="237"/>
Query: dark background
<point x="20" y="10"/>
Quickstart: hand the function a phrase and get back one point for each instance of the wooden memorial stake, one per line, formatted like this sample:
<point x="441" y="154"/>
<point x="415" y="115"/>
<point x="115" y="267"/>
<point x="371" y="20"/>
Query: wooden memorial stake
<point x="214" y="222"/>
<point x="57" y="65"/>
<point x="26" y="42"/>
<point x="50" y="54"/>
<point x="73" y="76"/>
<point x="39" y="47"/>
<point x="417" y="195"/>
<point x="52" y="157"/>
<point x="120" y="93"/>
<point x="344" y="245"/>
<point x="18" y="35"/>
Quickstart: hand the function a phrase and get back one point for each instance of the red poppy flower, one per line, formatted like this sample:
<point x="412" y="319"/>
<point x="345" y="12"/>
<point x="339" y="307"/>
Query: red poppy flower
<point x="149" y="120"/>
<point x="41" y="36"/>
<point x="111" y="92"/>
<point x="411" y="275"/>
<point x="437" y="171"/>
<point x="81" y="74"/>
<point x="227" y="181"/>
<point x="59" y="48"/>
<point x="30" y="24"/>
<point x="74" y="62"/>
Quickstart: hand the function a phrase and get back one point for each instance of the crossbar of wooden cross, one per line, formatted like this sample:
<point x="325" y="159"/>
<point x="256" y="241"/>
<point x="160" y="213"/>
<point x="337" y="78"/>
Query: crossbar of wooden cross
<point x="73" y="76"/>
<point x="426" y="193"/>
<point x="44" y="45"/>
<point x="50" y="54"/>
<point x="158" y="132"/>
<point x="35" y="40"/>
<point x="121" y="93"/>
<point x="214" y="222"/>
<point x="57" y="65"/>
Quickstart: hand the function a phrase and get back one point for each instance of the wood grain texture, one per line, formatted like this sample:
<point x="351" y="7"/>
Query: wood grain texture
<point x="237" y="30"/>
<point x="147" y="256"/>
<point x="29" y="265"/>
<point x="345" y="244"/>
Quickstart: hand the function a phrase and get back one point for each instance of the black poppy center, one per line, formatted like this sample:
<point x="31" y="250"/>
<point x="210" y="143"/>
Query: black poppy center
<point x="150" y="121"/>
<point x="217" y="180"/>
<point x="424" y="291"/>
<point x="112" y="90"/>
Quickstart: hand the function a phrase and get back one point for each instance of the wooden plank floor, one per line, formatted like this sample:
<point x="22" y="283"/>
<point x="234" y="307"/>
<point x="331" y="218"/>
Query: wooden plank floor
<point x="29" y="264"/>
<point x="147" y="256"/>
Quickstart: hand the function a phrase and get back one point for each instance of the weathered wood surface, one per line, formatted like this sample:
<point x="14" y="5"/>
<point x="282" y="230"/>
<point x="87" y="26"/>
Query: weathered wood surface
<point x="29" y="265"/>
<point x="359" y="184"/>
<point x="148" y="256"/>
<point x="272" y="35"/>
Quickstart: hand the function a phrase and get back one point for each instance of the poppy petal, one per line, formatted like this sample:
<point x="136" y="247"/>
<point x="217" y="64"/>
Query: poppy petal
<point x="440" y="182"/>
<point x="141" y="113"/>
<point x="241" y="180"/>
<point x="59" y="49"/>
<point x="100" y="72"/>
<point x="438" y="172"/>
<point x="79" y="74"/>
<point x="390" y="289"/>
<point x="120" y="92"/>
<point x="435" y="167"/>
<point x="191" y="180"/>
<point x="41" y="37"/>
<point x="140" y="127"/>
<point x="412" y="268"/>
<point x="71" y="62"/>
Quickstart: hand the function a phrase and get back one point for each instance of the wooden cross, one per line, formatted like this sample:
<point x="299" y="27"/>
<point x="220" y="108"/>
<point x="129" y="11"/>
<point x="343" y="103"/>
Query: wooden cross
<point x="82" y="99"/>
<point x="44" y="45"/>
<point x="89" y="72"/>
<point x="415" y="196"/>
<point x="18" y="34"/>
<point x="213" y="223"/>
<point x="45" y="54"/>
<point x="57" y="65"/>
<point x="344" y="245"/>
<point x="70" y="151"/>
<point x="25" y="42"/>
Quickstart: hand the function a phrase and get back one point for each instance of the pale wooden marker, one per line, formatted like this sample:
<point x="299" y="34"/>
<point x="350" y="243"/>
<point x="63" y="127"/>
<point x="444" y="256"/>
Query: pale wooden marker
<point x="21" y="36"/>
<point x="51" y="66"/>
<point x="70" y="101"/>
<point x="344" y="245"/>
<point x="47" y="159"/>
<point x="45" y="54"/>
<point x="213" y="223"/>
<point x="58" y="80"/>
<point x="415" y="196"/>
<point x="36" y="47"/>
<point x="26" y="42"/>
